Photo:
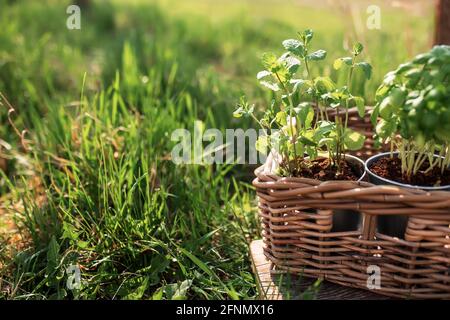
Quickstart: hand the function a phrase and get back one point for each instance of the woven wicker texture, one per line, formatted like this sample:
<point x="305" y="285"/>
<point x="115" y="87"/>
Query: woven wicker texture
<point x="297" y="219"/>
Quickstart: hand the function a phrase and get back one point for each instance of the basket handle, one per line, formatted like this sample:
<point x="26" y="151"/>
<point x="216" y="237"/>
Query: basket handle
<point x="369" y="226"/>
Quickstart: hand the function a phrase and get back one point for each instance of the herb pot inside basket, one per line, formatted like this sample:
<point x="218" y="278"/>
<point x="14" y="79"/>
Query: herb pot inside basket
<point x="343" y="220"/>
<point x="394" y="225"/>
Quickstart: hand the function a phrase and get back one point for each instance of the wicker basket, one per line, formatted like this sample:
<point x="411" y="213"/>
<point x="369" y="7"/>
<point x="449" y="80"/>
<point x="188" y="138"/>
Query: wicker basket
<point x="297" y="220"/>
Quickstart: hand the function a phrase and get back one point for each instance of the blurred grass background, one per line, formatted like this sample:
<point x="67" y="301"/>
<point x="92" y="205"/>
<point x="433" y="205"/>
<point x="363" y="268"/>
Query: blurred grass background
<point x="90" y="183"/>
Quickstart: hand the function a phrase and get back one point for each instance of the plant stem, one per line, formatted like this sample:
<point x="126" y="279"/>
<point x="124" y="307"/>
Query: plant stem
<point x="446" y="160"/>
<point x="291" y="109"/>
<point x="307" y="68"/>
<point x="349" y="83"/>
<point x="316" y="98"/>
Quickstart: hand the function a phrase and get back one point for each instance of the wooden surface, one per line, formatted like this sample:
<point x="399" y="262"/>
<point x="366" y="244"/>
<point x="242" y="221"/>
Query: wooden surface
<point x="274" y="285"/>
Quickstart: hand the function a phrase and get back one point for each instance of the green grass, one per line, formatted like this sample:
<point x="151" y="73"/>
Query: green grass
<point x="96" y="187"/>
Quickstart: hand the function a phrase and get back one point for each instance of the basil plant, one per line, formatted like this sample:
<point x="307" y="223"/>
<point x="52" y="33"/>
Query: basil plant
<point x="297" y="122"/>
<point x="413" y="111"/>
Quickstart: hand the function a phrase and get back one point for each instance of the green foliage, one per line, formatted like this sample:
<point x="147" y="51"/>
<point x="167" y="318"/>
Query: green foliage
<point x="114" y="204"/>
<point x="301" y="126"/>
<point x="317" y="55"/>
<point x="138" y="226"/>
<point x="413" y="106"/>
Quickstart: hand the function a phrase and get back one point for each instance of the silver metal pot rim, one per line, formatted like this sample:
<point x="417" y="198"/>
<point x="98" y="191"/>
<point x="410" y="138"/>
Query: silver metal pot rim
<point x="392" y="182"/>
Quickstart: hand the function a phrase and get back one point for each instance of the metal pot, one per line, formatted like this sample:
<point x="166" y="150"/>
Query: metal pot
<point x="348" y="220"/>
<point x="376" y="179"/>
<point x="393" y="225"/>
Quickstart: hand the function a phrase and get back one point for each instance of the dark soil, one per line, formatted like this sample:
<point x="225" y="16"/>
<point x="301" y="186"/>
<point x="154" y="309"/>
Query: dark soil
<point x="391" y="168"/>
<point x="323" y="169"/>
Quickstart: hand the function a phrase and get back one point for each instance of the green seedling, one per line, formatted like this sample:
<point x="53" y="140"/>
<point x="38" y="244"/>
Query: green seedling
<point x="413" y="111"/>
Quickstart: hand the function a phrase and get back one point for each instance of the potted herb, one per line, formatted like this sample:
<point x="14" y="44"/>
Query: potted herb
<point x="412" y="114"/>
<point x="301" y="137"/>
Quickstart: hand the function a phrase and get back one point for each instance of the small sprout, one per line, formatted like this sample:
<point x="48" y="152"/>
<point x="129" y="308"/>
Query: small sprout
<point x="351" y="62"/>
<point x="243" y="108"/>
<point x="357" y="49"/>
<point x="306" y="36"/>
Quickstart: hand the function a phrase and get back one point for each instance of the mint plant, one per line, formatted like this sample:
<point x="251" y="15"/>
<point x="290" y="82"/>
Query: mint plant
<point x="413" y="112"/>
<point x="297" y="122"/>
<point x="343" y="138"/>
